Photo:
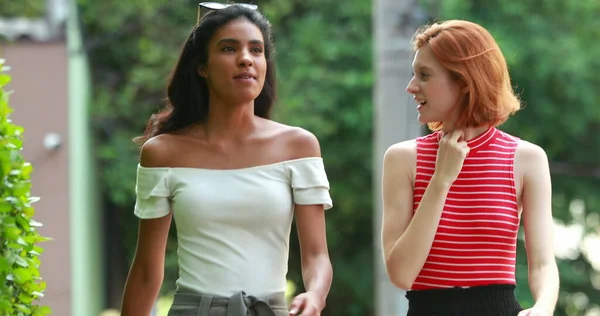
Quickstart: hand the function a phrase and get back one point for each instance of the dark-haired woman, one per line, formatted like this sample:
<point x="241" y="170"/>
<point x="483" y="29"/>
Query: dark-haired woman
<point x="232" y="180"/>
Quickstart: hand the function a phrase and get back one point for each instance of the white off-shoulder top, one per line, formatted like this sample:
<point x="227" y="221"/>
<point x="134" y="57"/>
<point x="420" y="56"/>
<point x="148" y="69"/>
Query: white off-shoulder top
<point x="233" y="225"/>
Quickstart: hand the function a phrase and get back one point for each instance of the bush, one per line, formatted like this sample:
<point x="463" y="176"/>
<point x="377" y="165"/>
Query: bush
<point x="21" y="284"/>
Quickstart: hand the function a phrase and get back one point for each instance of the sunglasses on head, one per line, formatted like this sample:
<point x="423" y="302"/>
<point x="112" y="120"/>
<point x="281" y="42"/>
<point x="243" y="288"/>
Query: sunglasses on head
<point x="205" y="7"/>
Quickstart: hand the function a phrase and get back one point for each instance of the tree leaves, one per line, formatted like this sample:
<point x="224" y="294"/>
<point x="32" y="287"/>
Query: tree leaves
<point x="20" y="278"/>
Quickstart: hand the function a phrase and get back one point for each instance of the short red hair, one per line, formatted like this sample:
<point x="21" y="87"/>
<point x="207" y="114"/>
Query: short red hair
<point x="472" y="56"/>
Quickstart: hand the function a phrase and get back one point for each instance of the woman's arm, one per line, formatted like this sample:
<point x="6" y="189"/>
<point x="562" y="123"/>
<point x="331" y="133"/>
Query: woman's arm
<point x="407" y="239"/>
<point x="147" y="270"/>
<point x="539" y="226"/>
<point x="317" y="272"/>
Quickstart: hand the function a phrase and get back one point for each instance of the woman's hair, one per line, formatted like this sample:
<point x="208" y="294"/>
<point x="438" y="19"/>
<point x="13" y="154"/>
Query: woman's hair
<point x="187" y="92"/>
<point x="473" y="58"/>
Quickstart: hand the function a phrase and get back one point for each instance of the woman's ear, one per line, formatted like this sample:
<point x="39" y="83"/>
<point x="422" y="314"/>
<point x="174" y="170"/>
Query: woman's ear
<point x="201" y="70"/>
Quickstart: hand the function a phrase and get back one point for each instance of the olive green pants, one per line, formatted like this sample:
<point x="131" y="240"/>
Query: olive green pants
<point x="187" y="303"/>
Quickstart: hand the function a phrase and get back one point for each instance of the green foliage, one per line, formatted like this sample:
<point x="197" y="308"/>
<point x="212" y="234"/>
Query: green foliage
<point x="552" y="49"/>
<point x="131" y="59"/>
<point x="324" y="66"/>
<point x="21" y="284"/>
<point x="23" y="9"/>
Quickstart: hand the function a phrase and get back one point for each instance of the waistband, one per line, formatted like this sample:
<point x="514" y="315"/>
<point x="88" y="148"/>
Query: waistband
<point x="238" y="304"/>
<point x="497" y="299"/>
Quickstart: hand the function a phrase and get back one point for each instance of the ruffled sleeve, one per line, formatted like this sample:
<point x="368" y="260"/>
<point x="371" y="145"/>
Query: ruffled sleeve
<point x="309" y="182"/>
<point x="152" y="192"/>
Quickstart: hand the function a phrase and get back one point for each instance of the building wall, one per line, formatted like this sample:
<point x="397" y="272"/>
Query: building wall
<point x="40" y="83"/>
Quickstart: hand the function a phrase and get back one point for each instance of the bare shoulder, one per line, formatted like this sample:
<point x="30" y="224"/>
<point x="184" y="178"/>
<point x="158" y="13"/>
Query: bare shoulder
<point x="530" y="154"/>
<point x="304" y="143"/>
<point x="531" y="164"/>
<point x="158" y="151"/>
<point x="402" y="152"/>
<point x="301" y="142"/>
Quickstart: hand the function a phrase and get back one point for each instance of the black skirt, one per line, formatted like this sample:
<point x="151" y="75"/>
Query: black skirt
<point x="489" y="300"/>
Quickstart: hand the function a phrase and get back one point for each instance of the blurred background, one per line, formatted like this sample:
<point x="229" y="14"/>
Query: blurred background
<point x="87" y="75"/>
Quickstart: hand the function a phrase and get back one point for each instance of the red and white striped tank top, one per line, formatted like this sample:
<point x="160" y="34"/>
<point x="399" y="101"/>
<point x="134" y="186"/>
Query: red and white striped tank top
<point x="475" y="243"/>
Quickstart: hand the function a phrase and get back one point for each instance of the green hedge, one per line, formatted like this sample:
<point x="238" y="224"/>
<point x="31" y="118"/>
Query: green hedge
<point x="19" y="262"/>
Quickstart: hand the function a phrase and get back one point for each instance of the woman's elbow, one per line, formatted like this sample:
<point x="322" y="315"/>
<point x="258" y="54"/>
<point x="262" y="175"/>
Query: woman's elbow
<point x="153" y="280"/>
<point x="145" y="277"/>
<point x="399" y="278"/>
<point x="401" y="283"/>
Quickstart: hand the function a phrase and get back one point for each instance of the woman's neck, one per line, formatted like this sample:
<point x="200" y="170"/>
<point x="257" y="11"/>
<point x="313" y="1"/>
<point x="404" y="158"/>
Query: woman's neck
<point x="469" y="132"/>
<point x="228" y="122"/>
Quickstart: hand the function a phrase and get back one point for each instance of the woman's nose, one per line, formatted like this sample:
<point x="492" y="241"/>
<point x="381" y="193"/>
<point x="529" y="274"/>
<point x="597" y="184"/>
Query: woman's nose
<point x="245" y="60"/>
<point x="412" y="86"/>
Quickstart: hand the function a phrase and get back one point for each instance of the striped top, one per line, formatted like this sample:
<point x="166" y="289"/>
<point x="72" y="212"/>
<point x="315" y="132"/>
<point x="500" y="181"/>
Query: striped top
<point x="475" y="243"/>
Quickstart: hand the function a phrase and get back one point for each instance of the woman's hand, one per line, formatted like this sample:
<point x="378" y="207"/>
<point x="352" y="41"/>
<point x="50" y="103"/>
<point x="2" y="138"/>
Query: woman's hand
<point x="535" y="311"/>
<point x="450" y="157"/>
<point x="309" y="304"/>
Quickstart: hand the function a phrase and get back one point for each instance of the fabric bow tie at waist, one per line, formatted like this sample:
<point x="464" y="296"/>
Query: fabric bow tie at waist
<point x="239" y="304"/>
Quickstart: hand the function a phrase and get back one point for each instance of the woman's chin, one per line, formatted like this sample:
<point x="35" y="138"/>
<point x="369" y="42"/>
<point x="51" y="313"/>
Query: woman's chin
<point x="244" y="98"/>
<point x="423" y="119"/>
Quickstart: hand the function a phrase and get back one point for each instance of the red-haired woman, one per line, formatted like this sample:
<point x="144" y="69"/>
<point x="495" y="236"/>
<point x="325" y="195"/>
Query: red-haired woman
<point x="453" y="199"/>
